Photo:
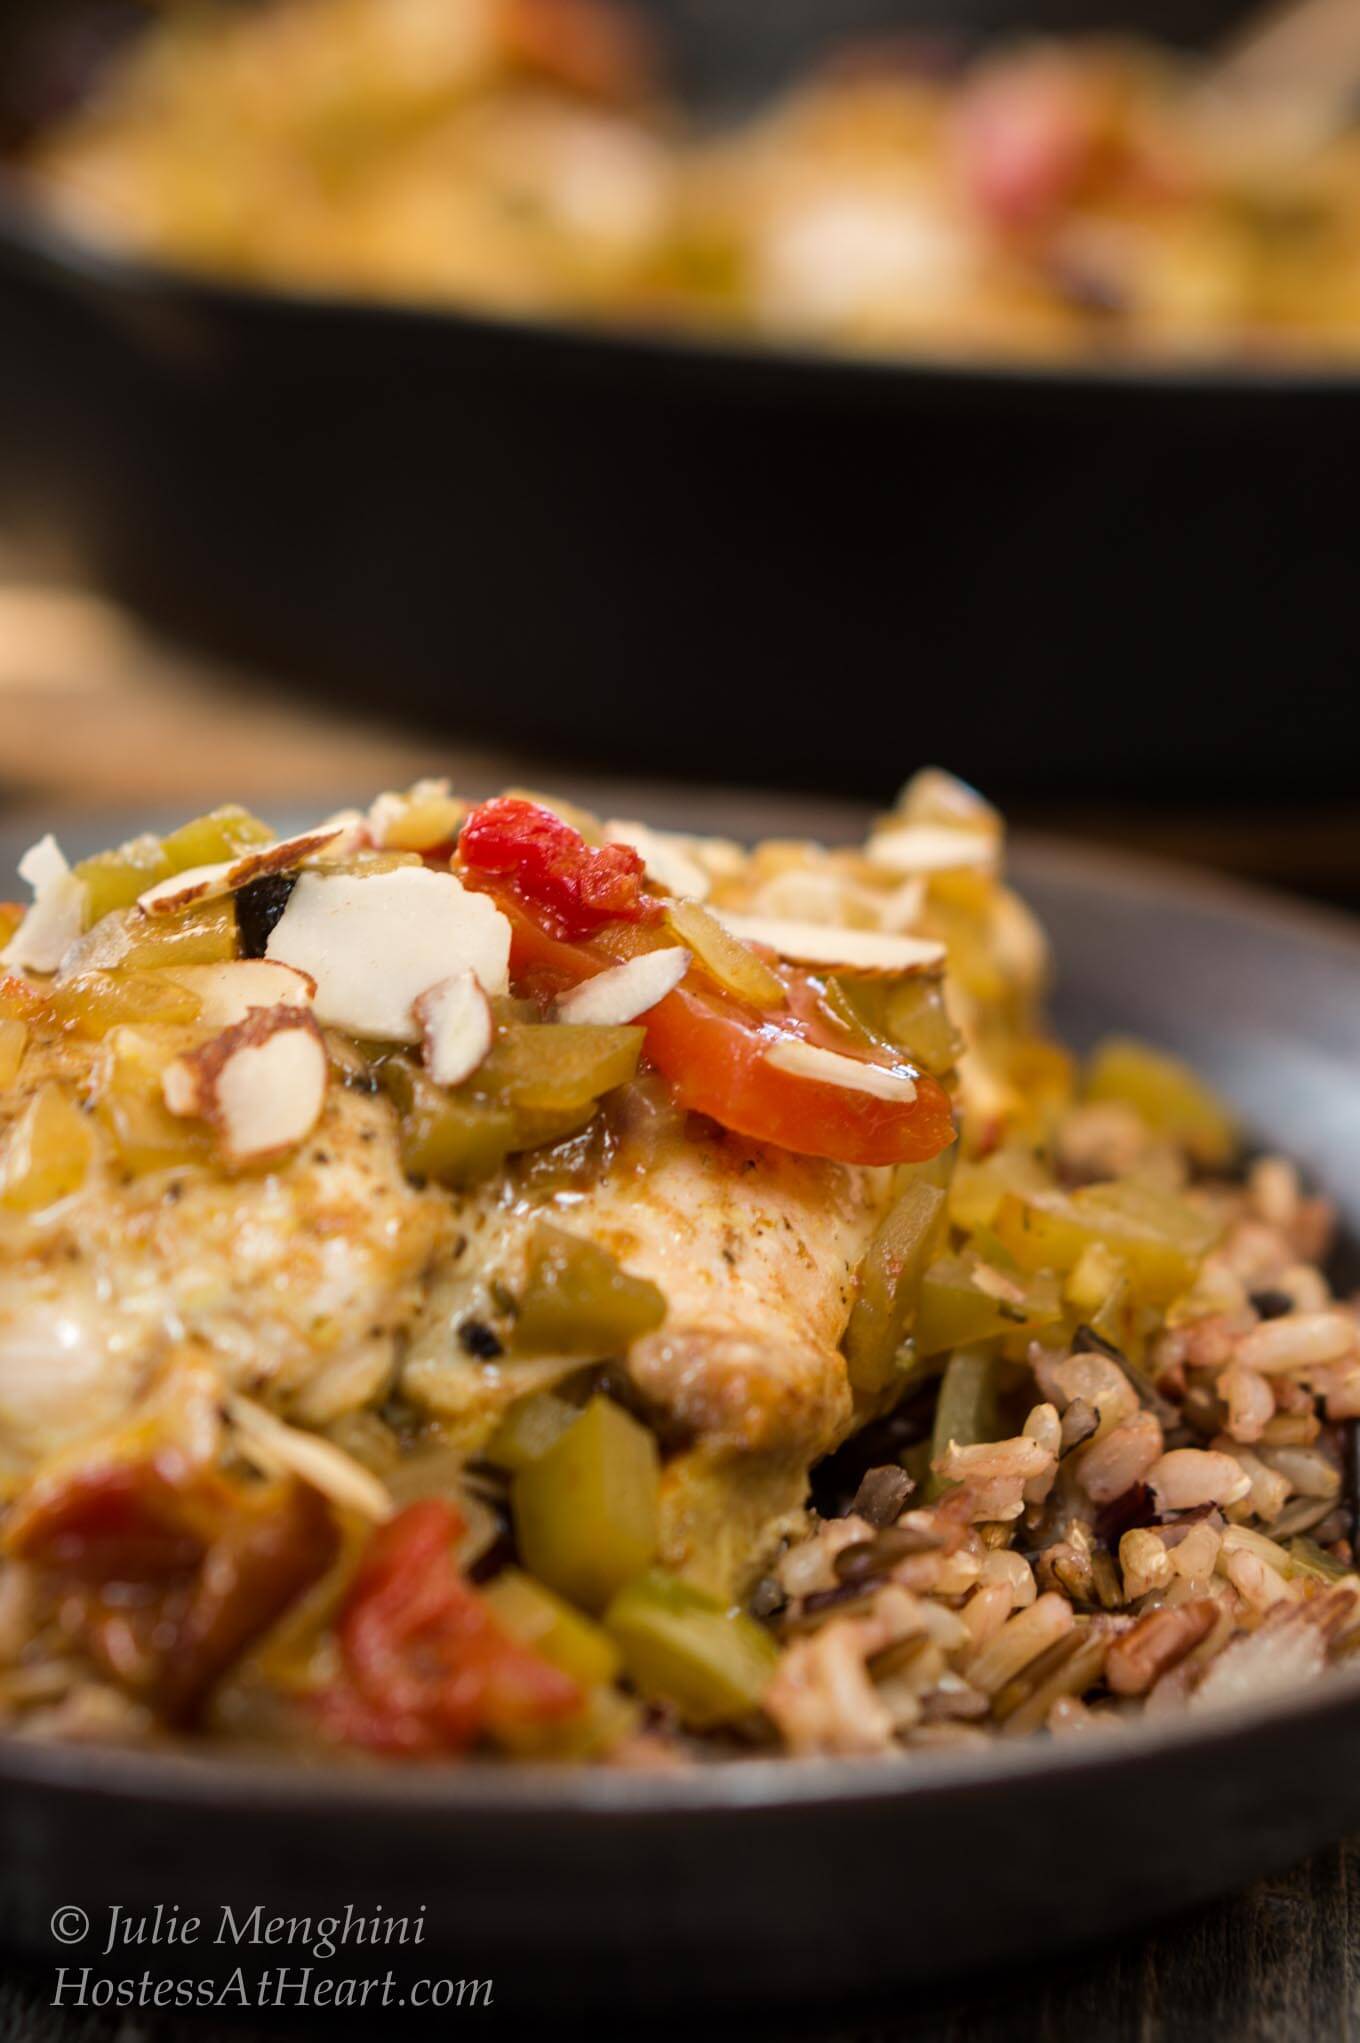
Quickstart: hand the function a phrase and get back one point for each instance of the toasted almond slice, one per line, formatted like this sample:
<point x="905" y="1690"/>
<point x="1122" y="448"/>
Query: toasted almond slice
<point x="665" y="856"/>
<point x="829" y="1067"/>
<point x="623" y="992"/>
<point x="277" y="1448"/>
<point x="903" y="907"/>
<point x="229" y="992"/>
<point x="930" y="848"/>
<point x="286" y="855"/>
<point x="816" y="943"/>
<point x="261" y="1084"/>
<point x="374" y="942"/>
<point x="210" y="882"/>
<point x="182" y="890"/>
<point x="455" y="1020"/>
<point x="57" y="916"/>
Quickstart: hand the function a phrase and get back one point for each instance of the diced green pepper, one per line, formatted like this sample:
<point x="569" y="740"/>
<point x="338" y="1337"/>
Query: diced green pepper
<point x="1306" y="1557"/>
<point x="446" y="1138"/>
<point x="578" y="1301"/>
<point x="1160" y="1238"/>
<point x="1167" y="1095"/>
<point x="586" y="1511"/>
<point x="48" y="1154"/>
<point x="529" y="1429"/>
<point x="91" y="1003"/>
<point x="606" y="1717"/>
<point x="728" y="961"/>
<point x="210" y="840"/>
<point x="976" y="1190"/>
<point x="890" y="1284"/>
<point x="557" y="1067"/>
<point x="131" y="1105"/>
<point x="115" y="879"/>
<point x="906" y="1012"/>
<point x="203" y="935"/>
<point x="537" y="1618"/>
<point x="682" y="1647"/>
<point x="955" y="1311"/>
<point x="966" y="1411"/>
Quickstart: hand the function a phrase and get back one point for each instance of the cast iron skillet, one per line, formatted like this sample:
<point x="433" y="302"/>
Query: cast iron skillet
<point x="765" y="1880"/>
<point x="761" y="565"/>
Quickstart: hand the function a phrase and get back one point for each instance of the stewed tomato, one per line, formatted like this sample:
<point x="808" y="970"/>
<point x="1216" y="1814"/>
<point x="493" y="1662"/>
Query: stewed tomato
<point x="711" y="1046"/>
<point x="427" y="1666"/>
<point x="574" y="887"/>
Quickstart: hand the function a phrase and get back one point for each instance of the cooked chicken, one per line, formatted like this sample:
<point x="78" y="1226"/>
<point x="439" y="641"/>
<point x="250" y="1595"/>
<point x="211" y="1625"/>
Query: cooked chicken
<point x="299" y="1283"/>
<point x="755" y="1251"/>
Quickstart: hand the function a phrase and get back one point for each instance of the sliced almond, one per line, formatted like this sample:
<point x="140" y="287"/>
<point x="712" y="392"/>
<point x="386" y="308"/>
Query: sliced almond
<point x="57" y="916"/>
<point x="277" y="1448"/>
<point x="930" y="848"/>
<point x="665" y="857"/>
<point x="210" y="882"/>
<point x="829" y="1067"/>
<point x="623" y="992"/>
<point x="228" y="992"/>
<point x="816" y="943"/>
<point x="260" y="1084"/>
<point x="455" y="1021"/>
<point x="374" y="942"/>
<point x="182" y="890"/>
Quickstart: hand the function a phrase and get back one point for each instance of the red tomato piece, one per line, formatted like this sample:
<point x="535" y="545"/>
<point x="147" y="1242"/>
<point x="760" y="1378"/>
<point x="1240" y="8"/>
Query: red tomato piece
<point x="577" y="886"/>
<point x="169" y="1577"/>
<point x="1029" y="136"/>
<point x="714" y="1054"/>
<point x="427" y="1666"/>
<point x="711" y="1047"/>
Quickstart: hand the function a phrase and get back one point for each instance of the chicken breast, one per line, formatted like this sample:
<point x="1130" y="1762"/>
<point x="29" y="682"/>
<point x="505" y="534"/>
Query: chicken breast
<point x="298" y="1283"/>
<point x="755" y="1251"/>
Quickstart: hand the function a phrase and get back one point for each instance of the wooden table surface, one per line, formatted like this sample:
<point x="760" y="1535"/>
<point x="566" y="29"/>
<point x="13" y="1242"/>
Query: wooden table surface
<point x="96" y="713"/>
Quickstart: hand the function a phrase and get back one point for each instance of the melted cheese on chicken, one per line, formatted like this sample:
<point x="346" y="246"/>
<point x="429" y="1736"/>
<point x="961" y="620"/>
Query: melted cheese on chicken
<point x="298" y="1283"/>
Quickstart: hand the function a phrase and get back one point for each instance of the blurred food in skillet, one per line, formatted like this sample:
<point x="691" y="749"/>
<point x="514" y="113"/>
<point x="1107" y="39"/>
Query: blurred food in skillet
<point x="516" y="155"/>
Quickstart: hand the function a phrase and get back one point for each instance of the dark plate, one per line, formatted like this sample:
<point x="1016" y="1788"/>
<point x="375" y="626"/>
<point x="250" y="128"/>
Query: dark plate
<point x="756" y="565"/>
<point x="764" y="1880"/>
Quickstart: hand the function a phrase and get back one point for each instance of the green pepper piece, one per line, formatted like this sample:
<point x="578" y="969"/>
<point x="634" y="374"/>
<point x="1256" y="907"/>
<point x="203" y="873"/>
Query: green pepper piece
<point x="681" y="1646"/>
<point x="1168" y="1096"/>
<point x="907" y="1013"/>
<point x="210" y="840"/>
<point x="115" y="879"/>
<point x="557" y="1067"/>
<point x="1306" y="1557"/>
<point x="1159" y="1237"/>
<point x="537" y="1618"/>
<point x="890" y="1284"/>
<point x="577" y="1301"/>
<point x="587" y="1511"/>
<point x="203" y="935"/>
<point x="529" y="1429"/>
<point x="446" y="1138"/>
<point x="955" y="1312"/>
<point x="966" y="1410"/>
